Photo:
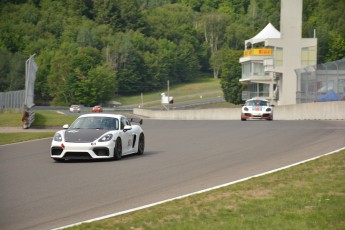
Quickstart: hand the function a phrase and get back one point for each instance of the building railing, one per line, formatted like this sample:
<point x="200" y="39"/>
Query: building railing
<point x="248" y="95"/>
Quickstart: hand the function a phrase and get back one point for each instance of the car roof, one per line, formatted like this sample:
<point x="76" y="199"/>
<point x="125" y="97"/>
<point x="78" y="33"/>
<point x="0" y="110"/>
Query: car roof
<point x="118" y="116"/>
<point x="256" y="99"/>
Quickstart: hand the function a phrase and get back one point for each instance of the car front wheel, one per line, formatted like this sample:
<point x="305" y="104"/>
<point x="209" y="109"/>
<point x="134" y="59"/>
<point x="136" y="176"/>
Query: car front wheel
<point x="118" y="150"/>
<point x="141" y="144"/>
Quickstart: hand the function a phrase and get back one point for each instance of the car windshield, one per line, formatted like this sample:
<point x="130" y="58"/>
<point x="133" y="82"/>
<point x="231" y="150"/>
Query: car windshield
<point x="107" y="123"/>
<point x="257" y="103"/>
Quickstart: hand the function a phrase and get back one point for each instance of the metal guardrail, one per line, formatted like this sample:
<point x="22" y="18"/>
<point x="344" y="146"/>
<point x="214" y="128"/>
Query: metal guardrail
<point x="28" y="118"/>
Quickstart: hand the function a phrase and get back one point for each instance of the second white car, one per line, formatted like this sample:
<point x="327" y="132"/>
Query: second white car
<point x="257" y="108"/>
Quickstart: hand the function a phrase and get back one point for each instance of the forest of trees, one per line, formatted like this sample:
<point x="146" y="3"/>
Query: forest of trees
<point x="89" y="51"/>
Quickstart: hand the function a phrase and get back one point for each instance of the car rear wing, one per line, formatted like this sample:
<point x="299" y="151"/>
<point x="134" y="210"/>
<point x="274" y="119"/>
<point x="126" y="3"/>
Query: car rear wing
<point x="136" y="120"/>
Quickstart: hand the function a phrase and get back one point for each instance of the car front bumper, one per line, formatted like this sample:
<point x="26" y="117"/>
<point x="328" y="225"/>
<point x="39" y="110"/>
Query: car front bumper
<point x="268" y="116"/>
<point x="80" y="151"/>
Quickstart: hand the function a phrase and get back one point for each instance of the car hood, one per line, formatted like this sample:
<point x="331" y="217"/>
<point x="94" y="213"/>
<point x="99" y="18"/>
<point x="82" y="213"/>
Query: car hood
<point x="83" y="135"/>
<point x="256" y="108"/>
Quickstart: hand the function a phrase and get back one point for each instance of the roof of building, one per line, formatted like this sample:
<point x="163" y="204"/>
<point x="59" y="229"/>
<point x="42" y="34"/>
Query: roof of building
<point x="268" y="32"/>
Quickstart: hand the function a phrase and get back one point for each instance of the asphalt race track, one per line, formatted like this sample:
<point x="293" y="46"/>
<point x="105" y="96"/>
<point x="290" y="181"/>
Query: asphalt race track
<point x="180" y="157"/>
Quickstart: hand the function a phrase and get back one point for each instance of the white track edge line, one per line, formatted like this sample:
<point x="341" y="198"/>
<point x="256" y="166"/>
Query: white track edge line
<point x="197" y="192"/>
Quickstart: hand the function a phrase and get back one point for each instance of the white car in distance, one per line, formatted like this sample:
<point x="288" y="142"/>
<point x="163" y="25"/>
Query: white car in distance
<point x="74" y="109"/>
<point x="257" y="108"/>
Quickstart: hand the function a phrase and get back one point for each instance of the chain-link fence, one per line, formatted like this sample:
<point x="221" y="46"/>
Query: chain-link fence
<point x="23" y="99"/>
<point x="323" y="82"/>
<point x="12" y="99"/>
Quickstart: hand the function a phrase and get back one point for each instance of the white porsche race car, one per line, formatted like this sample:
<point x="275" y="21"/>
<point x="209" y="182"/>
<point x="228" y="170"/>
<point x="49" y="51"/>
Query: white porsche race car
<point x="98" y="136"/>
<point x="257" y="108"/>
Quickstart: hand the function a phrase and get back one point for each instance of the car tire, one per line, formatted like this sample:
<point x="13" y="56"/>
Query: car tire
<point x="141" y="144"/>
<point x="243" y="119"/>
<point x="59" y="160"/>
<point x="118" y="150"/>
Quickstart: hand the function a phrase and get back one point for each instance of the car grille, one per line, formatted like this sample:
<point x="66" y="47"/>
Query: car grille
<point x="55" y="151"/>
<point x="77" y="155"/>
<point x="101" y="151"/>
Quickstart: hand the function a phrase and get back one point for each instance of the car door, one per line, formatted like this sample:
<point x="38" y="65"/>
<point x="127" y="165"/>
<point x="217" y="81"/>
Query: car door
<point x="126" y="136"/>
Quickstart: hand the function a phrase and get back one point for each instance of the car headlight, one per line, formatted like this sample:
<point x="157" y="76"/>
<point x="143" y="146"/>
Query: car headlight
<point x="268" y="109"/>
<point x="245" y="109"/>
<point x="105" y="138"/>
<point x="57" y="137"/>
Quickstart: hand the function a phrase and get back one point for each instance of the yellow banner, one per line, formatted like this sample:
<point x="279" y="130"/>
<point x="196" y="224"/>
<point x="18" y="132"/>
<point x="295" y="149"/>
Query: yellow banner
<point x="258" y="52"/>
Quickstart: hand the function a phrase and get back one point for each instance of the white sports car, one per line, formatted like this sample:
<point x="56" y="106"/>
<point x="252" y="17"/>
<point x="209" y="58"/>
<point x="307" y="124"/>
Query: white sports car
<point x="98" y="136"/>
<point x="257" y="108"/>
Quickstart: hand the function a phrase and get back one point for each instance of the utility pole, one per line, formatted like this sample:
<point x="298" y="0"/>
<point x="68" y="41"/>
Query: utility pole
<point x="168" y="95"/>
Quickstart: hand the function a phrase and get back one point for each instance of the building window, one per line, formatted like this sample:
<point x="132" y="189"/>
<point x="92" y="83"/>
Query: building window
<point x="246" y="70"/>
<point x="258" y="69"/>
<point x="308" y="56"/>
<point x="258" y="90"/>
<point x="278" y="55"/>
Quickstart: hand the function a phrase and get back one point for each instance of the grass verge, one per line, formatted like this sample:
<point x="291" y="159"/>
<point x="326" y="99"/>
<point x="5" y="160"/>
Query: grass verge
<point x="8" y="138"/>
<point x="202" y="86"/>
<point x="307" y="196"/>
<point x="51" y="118"/>
<point x="44" y="118"/>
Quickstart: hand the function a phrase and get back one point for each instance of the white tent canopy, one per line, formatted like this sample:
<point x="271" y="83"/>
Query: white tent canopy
<point x="268" y="32"/>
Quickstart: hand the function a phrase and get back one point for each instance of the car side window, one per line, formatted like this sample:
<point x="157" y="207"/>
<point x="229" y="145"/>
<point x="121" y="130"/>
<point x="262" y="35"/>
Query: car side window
<point x="123" y="123"/>
<point x="128" y="123"/>
<point x="109" y="124"/>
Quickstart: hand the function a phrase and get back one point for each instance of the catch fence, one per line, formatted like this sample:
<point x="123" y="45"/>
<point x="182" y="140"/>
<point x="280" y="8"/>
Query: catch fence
<point x="322" y="82"/>
<point x="23" y="99"/>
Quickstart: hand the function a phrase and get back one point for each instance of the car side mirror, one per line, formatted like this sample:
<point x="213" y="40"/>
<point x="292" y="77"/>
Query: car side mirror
<point x="65" y="126"/>
<point x="127" y="127"/>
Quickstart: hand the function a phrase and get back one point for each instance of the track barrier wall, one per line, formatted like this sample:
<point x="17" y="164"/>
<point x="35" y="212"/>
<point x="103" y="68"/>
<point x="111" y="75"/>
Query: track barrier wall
<point x="306" y="111"/>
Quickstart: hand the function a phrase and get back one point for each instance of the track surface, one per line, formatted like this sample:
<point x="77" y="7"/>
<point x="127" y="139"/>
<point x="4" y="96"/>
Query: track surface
<point x="180" y="157"/>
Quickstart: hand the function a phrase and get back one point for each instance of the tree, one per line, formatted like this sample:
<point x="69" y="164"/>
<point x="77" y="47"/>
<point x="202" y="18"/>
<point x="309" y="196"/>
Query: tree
<point x="12" y="71"/>
<point x="85" y="59"/>
<point x="214" y="27"/>
<point x="60" y="71"/>
<point x="99" y="87"/>
<point x="231" y="74"/>
<point x="145" y="42"/>
<point x="336" y="47"/>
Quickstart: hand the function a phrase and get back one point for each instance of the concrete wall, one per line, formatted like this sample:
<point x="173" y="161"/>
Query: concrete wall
<point x="306" y="111"/>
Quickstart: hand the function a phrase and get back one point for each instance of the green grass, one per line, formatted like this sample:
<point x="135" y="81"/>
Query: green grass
<point x="44" y="118"/>
<point x="307" y="196"/>
<point x="10" y="118"/>
<point x="202" y="86"/>
<point x="7" y="138"/>
<point x="52" y="118"/>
